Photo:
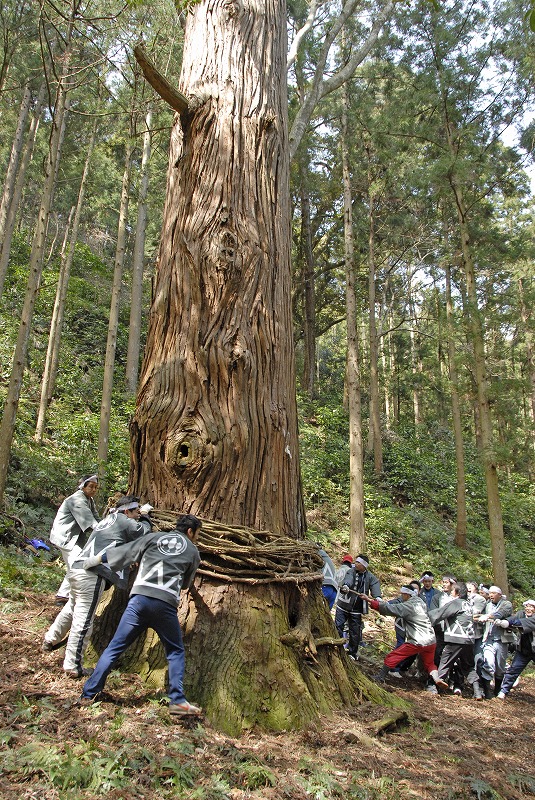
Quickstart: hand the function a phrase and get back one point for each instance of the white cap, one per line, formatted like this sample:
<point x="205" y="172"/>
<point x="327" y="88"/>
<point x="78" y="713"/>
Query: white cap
<point x="495" y="589"/>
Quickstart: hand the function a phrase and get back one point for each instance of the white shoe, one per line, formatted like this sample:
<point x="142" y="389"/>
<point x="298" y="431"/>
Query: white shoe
<point x="500" y="696"/>
<point x="432" y="689"/>
<point x="395" y="673"/>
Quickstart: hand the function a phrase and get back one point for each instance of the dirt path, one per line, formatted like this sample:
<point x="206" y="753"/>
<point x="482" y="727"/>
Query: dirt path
<point x="448" y="748"/>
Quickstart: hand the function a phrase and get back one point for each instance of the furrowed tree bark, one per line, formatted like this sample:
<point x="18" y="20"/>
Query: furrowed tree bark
<point x="215" y="428"/>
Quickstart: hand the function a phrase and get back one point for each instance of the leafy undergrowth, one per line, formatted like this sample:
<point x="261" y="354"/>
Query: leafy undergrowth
<point x="127" y="748"/>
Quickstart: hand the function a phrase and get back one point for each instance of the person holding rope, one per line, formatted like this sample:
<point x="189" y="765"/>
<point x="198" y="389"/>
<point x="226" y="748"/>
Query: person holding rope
<point x="420" y="636"/>
<point x="352" y="601"/>
<point x="168" y="562"/>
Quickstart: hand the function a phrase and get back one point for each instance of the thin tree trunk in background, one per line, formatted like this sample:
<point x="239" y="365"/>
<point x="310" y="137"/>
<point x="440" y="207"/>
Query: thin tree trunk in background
<point x="138" y="262"/>
<point x="7" y="426"/>
<point x="357" y="535"/>
<point x="530" y="366"/>
<point x="56" y="326"/>
<point x="461" y="515"/>
<point x="384" y="346"/>
<point x="416" y="364"/>
<point x="113" y="325"/>
<point x="309" y="294"/>
<point x="14" y="158"/>
<point x="488" y="454"/>
<point x="19" y="185"/>
<point x="375" y="442"/>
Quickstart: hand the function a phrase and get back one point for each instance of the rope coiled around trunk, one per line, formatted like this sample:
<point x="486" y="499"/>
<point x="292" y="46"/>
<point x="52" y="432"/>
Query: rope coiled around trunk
<point x="238" y="554"/>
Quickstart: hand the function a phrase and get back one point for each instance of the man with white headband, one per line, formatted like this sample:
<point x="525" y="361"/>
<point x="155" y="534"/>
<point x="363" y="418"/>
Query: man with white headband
<point x="420" y="637"/>
<point x="123" y="524"/>
<point x="75" y="519"/>
<point x="496" y="641"/>
<point x="428" y="591"/>
<point x="350" y="605"/>
<point x="524" y="622"/>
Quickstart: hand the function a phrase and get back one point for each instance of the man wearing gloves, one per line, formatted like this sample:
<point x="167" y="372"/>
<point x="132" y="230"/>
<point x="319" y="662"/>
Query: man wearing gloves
<point x="123" y="524"/>
<point x="350" y="605"/>
<point x="496" y="641"/>
<point x="74" y="521"/>
<point x="524" y="622"/>
<point x="419" y="632"/>
<point x="168" y="562"/>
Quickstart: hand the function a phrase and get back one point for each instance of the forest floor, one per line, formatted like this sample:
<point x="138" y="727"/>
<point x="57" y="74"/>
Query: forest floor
<point x="127" y="748"/>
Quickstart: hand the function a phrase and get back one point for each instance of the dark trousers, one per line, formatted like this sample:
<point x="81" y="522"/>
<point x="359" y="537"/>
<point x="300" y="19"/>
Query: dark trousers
<point x="142" y="613"/>
<point x="329" y="593"/>
<point x="518" y="665"/>
<point x="462" y="655"/>
<point x="354" y="624"/>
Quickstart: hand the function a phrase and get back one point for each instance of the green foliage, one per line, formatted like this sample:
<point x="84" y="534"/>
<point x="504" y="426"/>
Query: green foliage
<point x="483" y="791"/>
<point x="18" y="571"/>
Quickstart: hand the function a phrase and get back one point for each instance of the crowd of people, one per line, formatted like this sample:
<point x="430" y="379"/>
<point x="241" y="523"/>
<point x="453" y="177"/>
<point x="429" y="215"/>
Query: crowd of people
<point x="461" y="634"/>
<point x="97" y="554"/>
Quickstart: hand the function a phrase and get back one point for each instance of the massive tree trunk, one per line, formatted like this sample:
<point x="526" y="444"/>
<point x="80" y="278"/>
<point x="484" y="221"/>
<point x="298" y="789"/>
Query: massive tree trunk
<point x="215" y="428"/>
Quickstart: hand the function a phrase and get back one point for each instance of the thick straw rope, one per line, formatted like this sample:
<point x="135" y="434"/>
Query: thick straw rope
<point x="236" y="554"/>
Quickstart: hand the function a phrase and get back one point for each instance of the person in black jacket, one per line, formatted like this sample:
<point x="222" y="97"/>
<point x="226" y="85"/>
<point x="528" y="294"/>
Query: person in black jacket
<point x="350" y="607"/>
<point x="525" y="621"/>
<point x="168" y="562"/>
<point x="458" y="648"/>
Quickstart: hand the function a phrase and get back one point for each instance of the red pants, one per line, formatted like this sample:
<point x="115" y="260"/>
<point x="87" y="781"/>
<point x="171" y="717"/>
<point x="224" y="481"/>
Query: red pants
<point x="427" y="653"/>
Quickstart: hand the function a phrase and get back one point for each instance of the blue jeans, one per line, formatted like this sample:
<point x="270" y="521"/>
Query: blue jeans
<point x="142" y="613"/>
<point x="329" y="593"/>
<point x="518" y="664"/>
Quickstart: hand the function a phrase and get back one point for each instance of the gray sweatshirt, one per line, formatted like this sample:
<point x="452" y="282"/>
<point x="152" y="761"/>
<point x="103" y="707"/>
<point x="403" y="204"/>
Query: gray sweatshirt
<point x="167" y="564"/>
<point x="76" y="516"/>
<point x="114" y="530"/>
<point x="413" y="611"/>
